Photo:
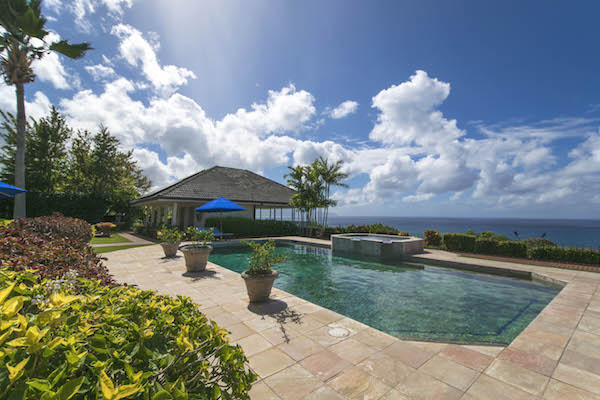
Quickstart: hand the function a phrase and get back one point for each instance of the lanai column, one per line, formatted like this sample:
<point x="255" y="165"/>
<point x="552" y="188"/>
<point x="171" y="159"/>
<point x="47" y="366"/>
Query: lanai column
<point x="174" y="219"/>
<point x="154" y="215"/>
<point x="165" y="215"/>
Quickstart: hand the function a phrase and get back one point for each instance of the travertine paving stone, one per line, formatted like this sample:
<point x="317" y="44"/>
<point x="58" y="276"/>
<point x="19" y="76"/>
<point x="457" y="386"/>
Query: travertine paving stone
<point x="287" y="342"/>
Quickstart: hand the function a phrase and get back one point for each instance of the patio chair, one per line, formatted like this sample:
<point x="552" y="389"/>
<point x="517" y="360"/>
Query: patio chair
<point x="216" y="232"/>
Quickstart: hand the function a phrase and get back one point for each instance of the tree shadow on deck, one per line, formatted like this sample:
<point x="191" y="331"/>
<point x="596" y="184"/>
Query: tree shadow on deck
<point x="278" y="310"/>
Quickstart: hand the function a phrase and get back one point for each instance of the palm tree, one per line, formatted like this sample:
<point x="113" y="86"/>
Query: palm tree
<point x="332" y="175"/>
<point x="21" y="43"/>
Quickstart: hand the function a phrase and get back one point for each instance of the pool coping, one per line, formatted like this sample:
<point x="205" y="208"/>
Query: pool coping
<point x="556" y="356"/>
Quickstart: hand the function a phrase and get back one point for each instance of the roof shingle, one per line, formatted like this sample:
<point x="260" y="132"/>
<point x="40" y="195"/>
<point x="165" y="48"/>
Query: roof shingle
<point x="238" y="185"/>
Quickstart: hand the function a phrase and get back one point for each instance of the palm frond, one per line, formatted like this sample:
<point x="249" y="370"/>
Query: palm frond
<point x="73" y="51"/>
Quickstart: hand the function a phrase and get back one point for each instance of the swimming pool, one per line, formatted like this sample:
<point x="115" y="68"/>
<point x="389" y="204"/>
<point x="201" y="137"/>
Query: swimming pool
<point x="431" y="304"/>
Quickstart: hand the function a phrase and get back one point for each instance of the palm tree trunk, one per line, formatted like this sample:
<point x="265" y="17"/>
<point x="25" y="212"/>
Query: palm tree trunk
<point x="19" y="210"/>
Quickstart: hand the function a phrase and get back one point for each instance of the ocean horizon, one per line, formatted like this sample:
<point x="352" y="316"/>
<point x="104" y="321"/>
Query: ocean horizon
<point x="583" y="233"/>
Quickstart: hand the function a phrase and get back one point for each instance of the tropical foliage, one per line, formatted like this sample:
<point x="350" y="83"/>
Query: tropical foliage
<point x="105" y="227"/>
<point x="199" y="237"/>
<point x="170" y="234"/>
<point x="534" y="249"/>
<point x="51" y="248"/>
<point x="75" y="338"/>
<point x="57" y="226"/>
<point x="78" y="173"/>
<point x="263" y="257"/>
<point x="432" y="238"/>
<point x="23" y="39"/>
<point x="313" y="184"/>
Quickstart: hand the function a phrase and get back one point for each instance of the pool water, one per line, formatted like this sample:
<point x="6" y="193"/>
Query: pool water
<point x="430" y="304"/>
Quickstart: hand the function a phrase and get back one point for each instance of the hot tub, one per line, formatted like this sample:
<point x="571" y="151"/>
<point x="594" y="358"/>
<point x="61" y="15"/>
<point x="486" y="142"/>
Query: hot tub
<point x="376" y="245"/>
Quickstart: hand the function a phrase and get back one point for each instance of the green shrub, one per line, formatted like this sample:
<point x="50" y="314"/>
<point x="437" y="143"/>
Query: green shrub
<point x="432" y="238"/>
<point x="459" y="242"/>
<point x="148" y="231"/>
<point x="486" y="246"/>
<point x="5" y="222"/>
<point x="537" y="242"/>
<point x="488" y="235"/>
<point x="77" y="339"/>
<point x="199" y="238"/>
<point x="505" y="248"/>
<point x="565" y="255"/>
<point x="263" y="257"/>
<point x="246" y="227"/>
<point x="57" y="225"/>
<point x="170" y="234"/>
<point x="511" y="248"/>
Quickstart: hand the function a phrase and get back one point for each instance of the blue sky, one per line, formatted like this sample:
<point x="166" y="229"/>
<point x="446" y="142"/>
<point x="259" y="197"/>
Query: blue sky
<point x="441" y="108"/>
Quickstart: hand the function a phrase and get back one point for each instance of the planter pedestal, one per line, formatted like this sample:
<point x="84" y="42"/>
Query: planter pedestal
<point x="259" y="286"/>
<point x="170" y="249"/>
<point x="196" y="257"/>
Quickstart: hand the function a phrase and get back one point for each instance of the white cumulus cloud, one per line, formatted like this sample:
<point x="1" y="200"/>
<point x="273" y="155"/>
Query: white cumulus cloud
<point x="136" y="50"/>
<point x="344" y="109"/>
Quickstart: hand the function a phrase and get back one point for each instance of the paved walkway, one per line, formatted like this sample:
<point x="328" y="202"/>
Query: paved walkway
<point x="134" y="241"/>
<point x="289" y="344"/>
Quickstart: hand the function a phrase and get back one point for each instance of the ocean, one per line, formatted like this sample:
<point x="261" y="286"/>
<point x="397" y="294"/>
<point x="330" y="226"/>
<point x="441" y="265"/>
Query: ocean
<point x="564" y="232"/>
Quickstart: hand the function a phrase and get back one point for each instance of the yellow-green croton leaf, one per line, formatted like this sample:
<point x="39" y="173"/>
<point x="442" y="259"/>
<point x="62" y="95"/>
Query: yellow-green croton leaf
<point x="16" y="372"/>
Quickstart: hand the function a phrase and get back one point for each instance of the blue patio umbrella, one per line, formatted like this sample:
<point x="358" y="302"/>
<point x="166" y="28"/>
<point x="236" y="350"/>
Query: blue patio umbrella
<point x="7" y="191"/>
<point x="220" y="205"/>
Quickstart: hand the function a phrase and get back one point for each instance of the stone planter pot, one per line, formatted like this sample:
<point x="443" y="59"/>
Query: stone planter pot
<point x="196" y="257"/>
<point x="259" y="286"/>
<point x="170" y="249"/>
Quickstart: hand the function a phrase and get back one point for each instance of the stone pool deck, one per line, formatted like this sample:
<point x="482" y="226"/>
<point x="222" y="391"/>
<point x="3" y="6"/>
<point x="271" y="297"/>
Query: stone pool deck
<point x="557" y="357"/>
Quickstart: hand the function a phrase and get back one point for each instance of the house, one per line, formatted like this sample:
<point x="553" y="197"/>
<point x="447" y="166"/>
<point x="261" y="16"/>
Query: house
<point x="175" y="204"/>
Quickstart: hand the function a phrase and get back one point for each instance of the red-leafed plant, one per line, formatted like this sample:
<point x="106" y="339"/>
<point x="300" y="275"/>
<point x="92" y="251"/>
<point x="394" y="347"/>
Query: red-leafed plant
<point x="57" y="225"/>
<point x="105" y="227"/>
<point x="49" y="254"/>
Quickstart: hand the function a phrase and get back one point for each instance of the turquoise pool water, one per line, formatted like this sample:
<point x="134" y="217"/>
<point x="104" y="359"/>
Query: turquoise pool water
<point x="431" y="304"/>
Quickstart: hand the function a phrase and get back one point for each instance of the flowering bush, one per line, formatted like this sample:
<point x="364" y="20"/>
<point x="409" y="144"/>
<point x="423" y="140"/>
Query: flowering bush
<point x="105" y="227"/>
<point x="432" y="238"/>
<point x="170" y="234"/>
<point x="57" y="225"/>
<point x="75" y="338"/>
<point x="50" y="255"/>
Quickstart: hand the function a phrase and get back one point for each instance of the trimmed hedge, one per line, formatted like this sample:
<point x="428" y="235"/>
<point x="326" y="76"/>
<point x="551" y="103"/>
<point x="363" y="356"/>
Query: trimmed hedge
<point x="509" y="248"/>
<point x="459" y="242"/>
<point x="77" y="339"/>
<point x="246" y="227"/>
<point x="537" y="242"/>
<point x="533" y="249"/>
<point x="565" y="254"/>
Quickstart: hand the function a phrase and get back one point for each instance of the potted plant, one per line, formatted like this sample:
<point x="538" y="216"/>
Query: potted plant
<point x="170" y="238"/>
<point x="196" y="254"/>
<point x="259" y="277"/>
<point x="105" y="228"/>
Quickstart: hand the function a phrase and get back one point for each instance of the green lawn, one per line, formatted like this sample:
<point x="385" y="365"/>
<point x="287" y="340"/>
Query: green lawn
<point x="115" y="238"/>
<point x="108" y="249"/>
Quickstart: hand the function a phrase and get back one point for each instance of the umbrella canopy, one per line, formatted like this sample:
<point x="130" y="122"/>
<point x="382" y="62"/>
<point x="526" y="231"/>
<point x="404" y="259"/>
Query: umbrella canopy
<point x="7" y="190"/>
<point x="220" y="204"/>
